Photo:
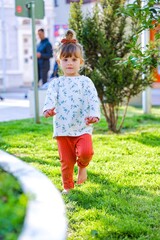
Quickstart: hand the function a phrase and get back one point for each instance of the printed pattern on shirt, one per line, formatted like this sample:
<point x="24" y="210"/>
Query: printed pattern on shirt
<point x="74" y="99"/>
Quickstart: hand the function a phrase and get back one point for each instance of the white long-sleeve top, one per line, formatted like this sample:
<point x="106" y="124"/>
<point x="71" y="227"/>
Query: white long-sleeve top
<point x="74" y="99"/>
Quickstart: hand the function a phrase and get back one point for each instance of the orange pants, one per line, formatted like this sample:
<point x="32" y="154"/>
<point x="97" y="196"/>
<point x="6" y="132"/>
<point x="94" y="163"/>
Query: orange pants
<point x="73" y="150"/>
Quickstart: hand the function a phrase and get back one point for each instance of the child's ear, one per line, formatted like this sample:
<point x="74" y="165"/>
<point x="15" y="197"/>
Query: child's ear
<point x="81" y="61"/>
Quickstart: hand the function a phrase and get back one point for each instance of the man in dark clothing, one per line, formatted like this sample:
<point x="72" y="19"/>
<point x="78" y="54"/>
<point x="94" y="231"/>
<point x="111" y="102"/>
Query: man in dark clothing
<point x="44" y="53"/>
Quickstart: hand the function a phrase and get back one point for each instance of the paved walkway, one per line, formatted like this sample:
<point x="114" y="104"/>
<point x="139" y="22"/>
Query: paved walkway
<point x="13" y="109"/>
<point x="15" y="105"/>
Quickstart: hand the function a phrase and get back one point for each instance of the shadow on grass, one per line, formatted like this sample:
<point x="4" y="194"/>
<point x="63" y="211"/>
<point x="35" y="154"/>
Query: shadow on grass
<point x="4" y="145"/>
<point x="27" y="127"/>
<point x="147" y="138"/>
<point x="123" y="212"/>
<point x="54" y="162"/>
<point x="95" y="195"/>
<point x="133" y="122"/>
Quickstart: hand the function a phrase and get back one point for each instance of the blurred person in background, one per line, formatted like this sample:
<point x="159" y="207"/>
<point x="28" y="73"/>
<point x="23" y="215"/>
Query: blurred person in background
<point x="44" y="53"/>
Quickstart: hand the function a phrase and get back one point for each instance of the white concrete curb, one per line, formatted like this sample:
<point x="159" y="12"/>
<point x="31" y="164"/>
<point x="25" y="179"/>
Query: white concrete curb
<point x="45" y="218"/>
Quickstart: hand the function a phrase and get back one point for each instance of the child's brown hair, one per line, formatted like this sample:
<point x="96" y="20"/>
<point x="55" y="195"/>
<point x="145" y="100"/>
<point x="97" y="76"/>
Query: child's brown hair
<point x="70" y="47"/>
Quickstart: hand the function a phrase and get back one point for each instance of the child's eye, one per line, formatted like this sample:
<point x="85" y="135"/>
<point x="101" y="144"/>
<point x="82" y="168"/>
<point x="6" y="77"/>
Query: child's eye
<point x="74" y="59"/>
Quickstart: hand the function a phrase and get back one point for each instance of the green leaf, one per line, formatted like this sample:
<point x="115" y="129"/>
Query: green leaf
<point x="94" y="233"/>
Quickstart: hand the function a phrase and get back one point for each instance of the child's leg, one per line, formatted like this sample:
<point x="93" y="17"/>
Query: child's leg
<point x="84" y="152"/>
<point x="82" y="175"/>
<point x="67" y="159"/>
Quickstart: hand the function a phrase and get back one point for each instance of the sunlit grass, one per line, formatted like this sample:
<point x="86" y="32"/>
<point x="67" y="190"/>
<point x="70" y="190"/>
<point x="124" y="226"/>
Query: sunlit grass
<point x="121" y="199"/>
<point x="12" y="207"/>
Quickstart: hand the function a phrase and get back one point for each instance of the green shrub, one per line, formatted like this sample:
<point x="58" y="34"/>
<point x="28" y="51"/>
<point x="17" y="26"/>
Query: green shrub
<point x="12" y="207"/>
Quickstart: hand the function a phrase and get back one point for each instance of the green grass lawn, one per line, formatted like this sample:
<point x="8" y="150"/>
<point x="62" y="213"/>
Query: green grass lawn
<point x="121" y="199"/>
<point x="12" y="207"/>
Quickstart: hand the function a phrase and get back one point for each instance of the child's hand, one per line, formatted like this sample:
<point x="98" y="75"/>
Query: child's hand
<point x="49" y="113"/>
<point x="90" y="120"/>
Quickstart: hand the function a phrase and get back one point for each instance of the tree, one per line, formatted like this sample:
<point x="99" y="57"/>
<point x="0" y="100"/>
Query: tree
<point x="114" y="58"/>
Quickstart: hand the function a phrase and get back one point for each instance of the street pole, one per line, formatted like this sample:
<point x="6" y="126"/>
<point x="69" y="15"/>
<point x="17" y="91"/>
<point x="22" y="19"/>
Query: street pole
<point x="35" y="67"/>
<point x="4" y="47"/>
<point x="146" y="94"/>
<point x="33" y="9"/>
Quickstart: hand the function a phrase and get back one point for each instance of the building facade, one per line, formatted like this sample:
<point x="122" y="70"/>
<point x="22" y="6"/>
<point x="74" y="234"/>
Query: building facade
<point x="16" y="57"/>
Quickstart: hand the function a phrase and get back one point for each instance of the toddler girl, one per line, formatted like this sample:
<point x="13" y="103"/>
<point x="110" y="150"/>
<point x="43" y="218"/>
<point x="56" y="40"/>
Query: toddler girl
<point x="73" y="99"/>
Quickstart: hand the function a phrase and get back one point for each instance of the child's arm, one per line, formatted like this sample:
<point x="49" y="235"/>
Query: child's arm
<point x="49" y="113"/>
<point x="94" y="103"/>
<point x="50" y="100"/>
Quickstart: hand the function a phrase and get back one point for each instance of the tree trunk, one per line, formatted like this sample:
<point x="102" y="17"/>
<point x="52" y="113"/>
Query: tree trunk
<point x="110" y="114"/>
<point x="112" y="119"/>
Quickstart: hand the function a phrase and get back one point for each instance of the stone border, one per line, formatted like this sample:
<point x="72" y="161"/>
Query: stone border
<point x="45" y="218"/>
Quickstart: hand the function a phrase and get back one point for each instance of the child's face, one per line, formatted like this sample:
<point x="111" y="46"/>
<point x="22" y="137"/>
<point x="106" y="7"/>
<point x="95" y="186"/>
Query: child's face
<point x="70" y="65"/>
